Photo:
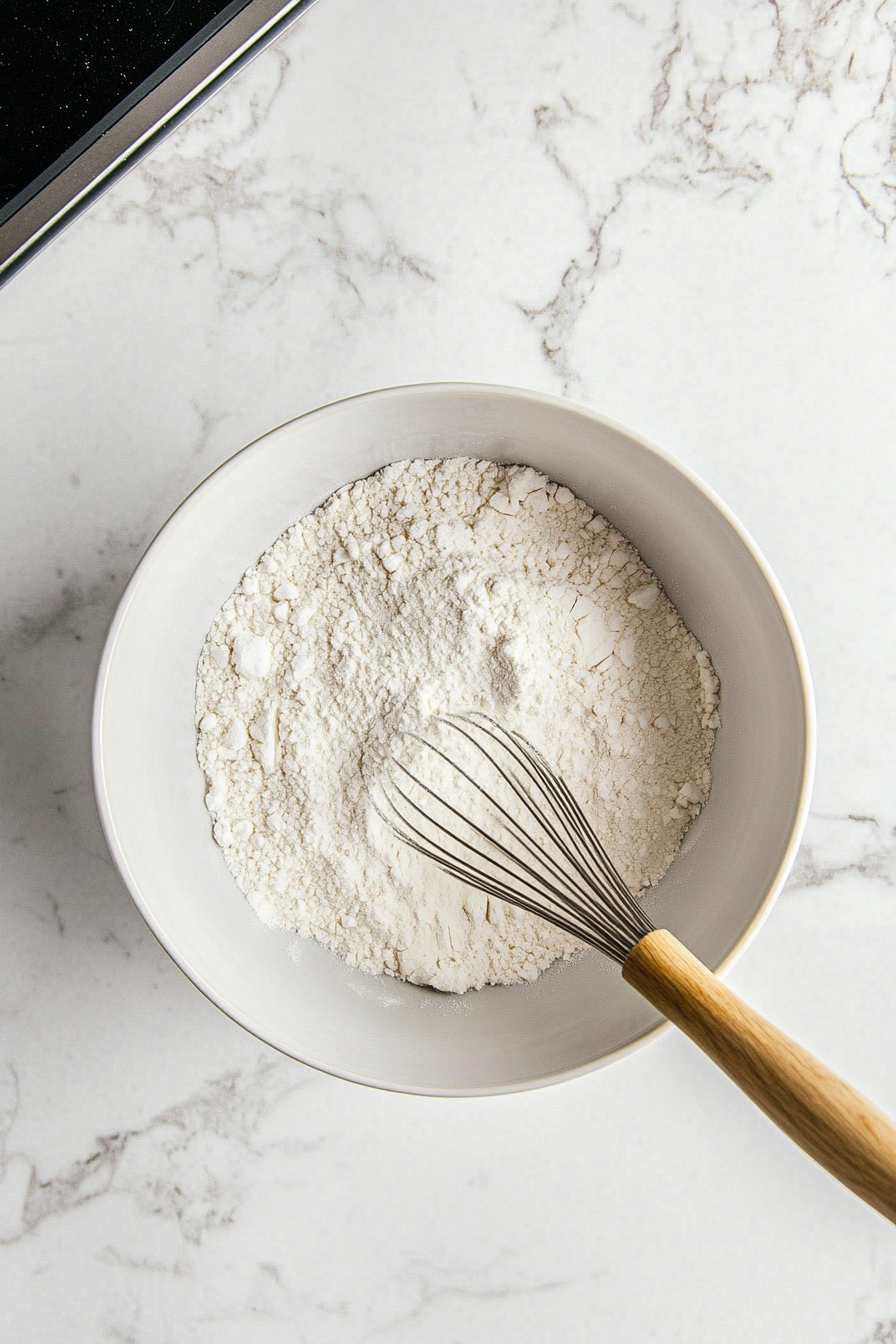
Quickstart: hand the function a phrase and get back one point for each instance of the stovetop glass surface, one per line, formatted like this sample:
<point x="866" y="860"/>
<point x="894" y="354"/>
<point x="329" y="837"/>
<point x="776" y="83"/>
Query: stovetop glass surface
<point x="70" y="68"/>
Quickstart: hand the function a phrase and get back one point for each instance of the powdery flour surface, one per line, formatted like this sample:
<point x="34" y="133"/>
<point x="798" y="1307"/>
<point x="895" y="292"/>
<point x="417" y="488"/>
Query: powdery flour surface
<point x="442" y="586"/>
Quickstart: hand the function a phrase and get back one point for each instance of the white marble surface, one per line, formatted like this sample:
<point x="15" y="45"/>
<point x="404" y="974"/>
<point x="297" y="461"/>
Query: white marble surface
<point x="681" y="214"/>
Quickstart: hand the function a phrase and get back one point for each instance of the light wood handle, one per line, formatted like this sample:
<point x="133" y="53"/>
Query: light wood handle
<point x="829" y="1119"/>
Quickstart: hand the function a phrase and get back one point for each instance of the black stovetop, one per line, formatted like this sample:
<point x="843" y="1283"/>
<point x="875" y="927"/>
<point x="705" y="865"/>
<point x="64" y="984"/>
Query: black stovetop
<point x="70" y="68"/>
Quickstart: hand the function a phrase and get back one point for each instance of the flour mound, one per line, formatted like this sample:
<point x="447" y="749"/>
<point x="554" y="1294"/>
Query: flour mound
<point x="437" y="587"/>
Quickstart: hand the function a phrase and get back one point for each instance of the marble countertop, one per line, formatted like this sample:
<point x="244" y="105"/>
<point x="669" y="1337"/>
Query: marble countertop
<point x="681" y="214"/>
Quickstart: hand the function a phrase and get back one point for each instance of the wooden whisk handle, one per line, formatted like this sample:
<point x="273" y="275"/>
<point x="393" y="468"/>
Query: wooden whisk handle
<point x="829" y="1119"/>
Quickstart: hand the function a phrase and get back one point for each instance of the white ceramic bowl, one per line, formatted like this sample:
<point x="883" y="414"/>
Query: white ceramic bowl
<point x="376" y="1030"/>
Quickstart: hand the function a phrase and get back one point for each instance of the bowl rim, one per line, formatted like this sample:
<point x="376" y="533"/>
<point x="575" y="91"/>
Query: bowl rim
<point x="448" y="386"/>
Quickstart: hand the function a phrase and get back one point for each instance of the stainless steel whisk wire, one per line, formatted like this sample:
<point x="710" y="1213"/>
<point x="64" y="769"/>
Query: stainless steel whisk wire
<point x="582" y="894"/>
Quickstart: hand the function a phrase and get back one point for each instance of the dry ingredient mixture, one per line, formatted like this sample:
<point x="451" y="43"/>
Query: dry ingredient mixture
<point x="439" y="586"/>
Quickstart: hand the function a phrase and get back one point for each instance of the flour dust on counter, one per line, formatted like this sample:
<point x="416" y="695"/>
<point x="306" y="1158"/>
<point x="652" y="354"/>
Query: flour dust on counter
<point x="438" y="586"/>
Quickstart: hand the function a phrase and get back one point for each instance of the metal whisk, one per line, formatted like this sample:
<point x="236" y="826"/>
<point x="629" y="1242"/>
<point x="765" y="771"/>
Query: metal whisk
<point x="485" y="805"/>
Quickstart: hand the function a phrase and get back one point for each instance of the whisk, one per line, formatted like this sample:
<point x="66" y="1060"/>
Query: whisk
<point x="501" y="820"/>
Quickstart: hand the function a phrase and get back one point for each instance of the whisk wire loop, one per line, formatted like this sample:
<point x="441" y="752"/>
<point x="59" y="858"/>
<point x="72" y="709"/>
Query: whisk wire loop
<point x="473" y="879"/>
<point x="525" y="755"/>
<point x="514" y="826"/>
<point x="520" y="793"/>
<point x="576" y="826"/>
<point x="555" y="868"/>
<point x="448" y="860"/>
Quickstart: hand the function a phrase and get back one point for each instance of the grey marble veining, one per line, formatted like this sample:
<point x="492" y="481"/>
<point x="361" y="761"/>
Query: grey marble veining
<point x="680" y="213"/>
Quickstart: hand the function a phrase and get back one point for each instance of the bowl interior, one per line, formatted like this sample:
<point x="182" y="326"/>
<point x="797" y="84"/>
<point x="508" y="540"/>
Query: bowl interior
<point x="378" y="1030"/>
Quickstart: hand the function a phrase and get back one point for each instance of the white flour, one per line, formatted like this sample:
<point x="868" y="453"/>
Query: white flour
<point x="442" y="585"/>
